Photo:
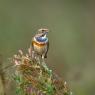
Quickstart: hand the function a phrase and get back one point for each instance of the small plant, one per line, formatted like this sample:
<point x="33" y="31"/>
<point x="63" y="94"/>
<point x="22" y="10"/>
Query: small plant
<point x="35" y="78"/>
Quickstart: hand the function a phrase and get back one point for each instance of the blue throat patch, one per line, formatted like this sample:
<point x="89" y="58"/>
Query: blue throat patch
<point x="40" y="39"/>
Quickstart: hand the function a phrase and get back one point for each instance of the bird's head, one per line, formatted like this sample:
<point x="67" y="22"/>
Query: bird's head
<point x="42" y="32"/>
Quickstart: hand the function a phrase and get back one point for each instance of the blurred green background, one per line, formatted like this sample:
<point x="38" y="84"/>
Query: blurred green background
<point x="72" y="37"/>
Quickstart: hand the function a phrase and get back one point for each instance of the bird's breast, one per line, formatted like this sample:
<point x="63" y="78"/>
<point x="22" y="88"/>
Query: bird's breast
<point x="39" y="47"/>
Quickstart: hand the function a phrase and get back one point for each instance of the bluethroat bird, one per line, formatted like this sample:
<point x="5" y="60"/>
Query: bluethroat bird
<point x="40" y="43"/>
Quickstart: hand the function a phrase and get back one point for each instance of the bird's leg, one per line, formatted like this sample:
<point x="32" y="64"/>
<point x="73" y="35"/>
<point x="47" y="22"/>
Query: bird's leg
<point x="43" y="62"/>
<point x="43" y="59"/>
<point x="35" y="57"/>
<point x="38" y="59"/>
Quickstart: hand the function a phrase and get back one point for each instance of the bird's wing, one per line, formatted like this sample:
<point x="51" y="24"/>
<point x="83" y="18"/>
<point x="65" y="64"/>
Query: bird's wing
<point x="47" y="49"/>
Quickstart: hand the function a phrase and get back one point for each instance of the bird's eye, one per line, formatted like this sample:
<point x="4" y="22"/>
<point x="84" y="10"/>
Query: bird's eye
<point x="42" y="31"/>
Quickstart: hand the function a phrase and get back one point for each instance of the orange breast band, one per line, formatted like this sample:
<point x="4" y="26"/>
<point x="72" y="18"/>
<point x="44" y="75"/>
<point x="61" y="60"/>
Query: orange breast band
<point x="38" y="44"/>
